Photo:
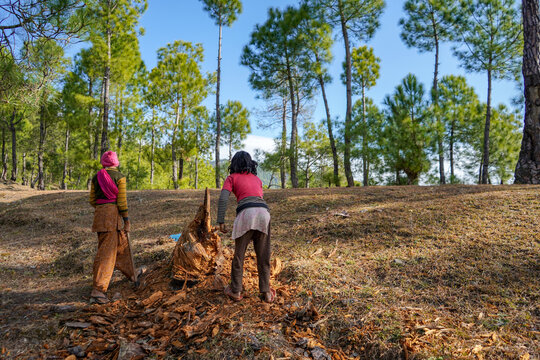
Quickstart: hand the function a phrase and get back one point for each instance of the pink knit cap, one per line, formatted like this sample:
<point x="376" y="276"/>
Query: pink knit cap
<point x="109" y="159"/>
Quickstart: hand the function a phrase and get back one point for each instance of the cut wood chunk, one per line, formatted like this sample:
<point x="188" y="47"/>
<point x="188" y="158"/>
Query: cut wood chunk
<point x="78" y="324"/>
<point x="198" y="252"/>
<point x="181" y="295"/>
<point x="152" y="298"/>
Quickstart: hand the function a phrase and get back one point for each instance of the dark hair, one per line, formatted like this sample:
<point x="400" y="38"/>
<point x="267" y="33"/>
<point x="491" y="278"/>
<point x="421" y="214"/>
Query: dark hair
<point x="242" y="163"/>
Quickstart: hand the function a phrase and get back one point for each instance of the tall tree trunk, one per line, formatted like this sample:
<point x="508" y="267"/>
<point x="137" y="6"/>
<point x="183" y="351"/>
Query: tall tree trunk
<point x="294" y="131"/>
<point x="282" y="171"/>
<point x="41" y="149"/>
<point x="485" y="169"/>
<point x="218" y="113"/>
<point x="365" y="168"/>
<point x="181" y="168"/>
<point x="452" y="130"/>
<point x="4" y="154"/>
<point x="153" y="147"/>
<point x="173" y="150"/>
<point x="480" y="170"/>
<point x="33" y="179"/>
<point x="330" y="133"/>
<point x="435" y="100"/>
<point x="230" y="146"/>
<point x="348" y="113"/>
<point x="120" y="126"/>
<point x="138" y="164"/>
<point x="24" y="179"/>
<point x="197" y="171"/>
<point x="13" y="129"/>
<point x="106" y="89"/>
<point x="528" y="166"/>
<point x="99" y="125"/>
<point x="66" y="159"/>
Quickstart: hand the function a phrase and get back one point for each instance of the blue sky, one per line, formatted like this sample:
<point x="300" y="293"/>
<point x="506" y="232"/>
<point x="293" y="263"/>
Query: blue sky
<point x="168" y="20"/>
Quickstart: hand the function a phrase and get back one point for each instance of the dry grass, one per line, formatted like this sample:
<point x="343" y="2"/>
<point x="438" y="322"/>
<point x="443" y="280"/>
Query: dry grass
<point x="447" y="272"/>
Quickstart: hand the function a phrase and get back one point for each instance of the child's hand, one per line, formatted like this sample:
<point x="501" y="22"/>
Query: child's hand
<point x="223" y="228"/>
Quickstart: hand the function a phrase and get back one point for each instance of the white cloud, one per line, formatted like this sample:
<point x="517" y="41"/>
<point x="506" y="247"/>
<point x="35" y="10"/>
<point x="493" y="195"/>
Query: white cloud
<point x="252" y="143"/>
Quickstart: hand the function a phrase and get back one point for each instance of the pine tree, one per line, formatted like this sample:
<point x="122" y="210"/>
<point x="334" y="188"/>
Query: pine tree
<point x="224" y="12"/>
<point x="490" y="36"/>
<point x="356" y="20"/>
<point x="365" y="72"/>
<point x="528" y="165"/>
<point x="425" y="28"/>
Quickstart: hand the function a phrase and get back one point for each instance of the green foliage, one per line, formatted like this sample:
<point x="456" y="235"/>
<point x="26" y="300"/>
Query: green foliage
<point x="235" y="122"/>
<point x="365" y="69"/>
<point x="490" y="34"/>
<point x="426" y="23"/>
<point x="366" y="132"/>
<point x="314" y="155"/>
<point x="224" y="12"/>
<point x="405" y="131"/>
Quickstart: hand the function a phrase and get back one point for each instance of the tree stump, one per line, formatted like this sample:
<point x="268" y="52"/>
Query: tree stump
<point x="198" y="252"/>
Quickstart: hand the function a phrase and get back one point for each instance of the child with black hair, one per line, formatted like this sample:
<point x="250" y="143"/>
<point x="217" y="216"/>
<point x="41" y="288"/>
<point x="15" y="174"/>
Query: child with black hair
<point x="252" y="223"/>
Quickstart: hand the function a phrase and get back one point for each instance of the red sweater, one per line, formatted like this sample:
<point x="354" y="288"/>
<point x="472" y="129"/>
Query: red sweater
<point x="243" y="185"/>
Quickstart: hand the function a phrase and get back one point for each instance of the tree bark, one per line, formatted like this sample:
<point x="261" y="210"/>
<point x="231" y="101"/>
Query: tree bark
<point x="66" y="160"/>
<point x="120" y="126"/>
<point x="528" y="166"/>
<point x="365" y="168"/>
<point x="485" y="165"/>
<point x="218" y="113"/>
<point x="294" y="131"/>
<point x="138" y="164"/>
<point x="348" y="113"/>
<point x="24" y="179"/>
<point x="4" y="154"/>
<point x="42" y="135"/>
<point x="330" y="133"/>
<point x="106" y="89"/>
<point x="153" y="146"/>
<point x="282" y="171"/>
<point x="452" y="130"/>
<point x="435" y="99"/>
<point x="13" y="129"/>
<point x="173" y="150"/>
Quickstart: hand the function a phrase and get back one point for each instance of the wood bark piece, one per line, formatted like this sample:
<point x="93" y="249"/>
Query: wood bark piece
<point x="198" y="252"/>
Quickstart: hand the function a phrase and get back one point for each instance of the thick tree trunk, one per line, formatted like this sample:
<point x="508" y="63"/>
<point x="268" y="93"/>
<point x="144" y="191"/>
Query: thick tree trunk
<point x="13" y="129"/>
<point x="181" y="168"/>
<point x="528" y="166"/>
<point x="330" y="133"/>
<point x="485" y="168"/>
<point x="348" y="113"/>
<point x="42" y="135"/>
<point x="282" y="171"/>
<point x="4" y="154"/>
<point x="218" y="113"/>
<point x="106" y="89"/>
<point x="66" y="159"/>
<point x="294" y="131"/>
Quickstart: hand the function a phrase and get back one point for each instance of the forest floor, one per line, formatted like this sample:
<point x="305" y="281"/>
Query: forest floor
<point x="449" y="272"/>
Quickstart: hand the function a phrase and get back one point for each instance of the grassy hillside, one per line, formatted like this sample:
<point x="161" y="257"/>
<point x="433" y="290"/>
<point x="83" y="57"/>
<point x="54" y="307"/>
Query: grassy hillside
<point x="448" y="272"/>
